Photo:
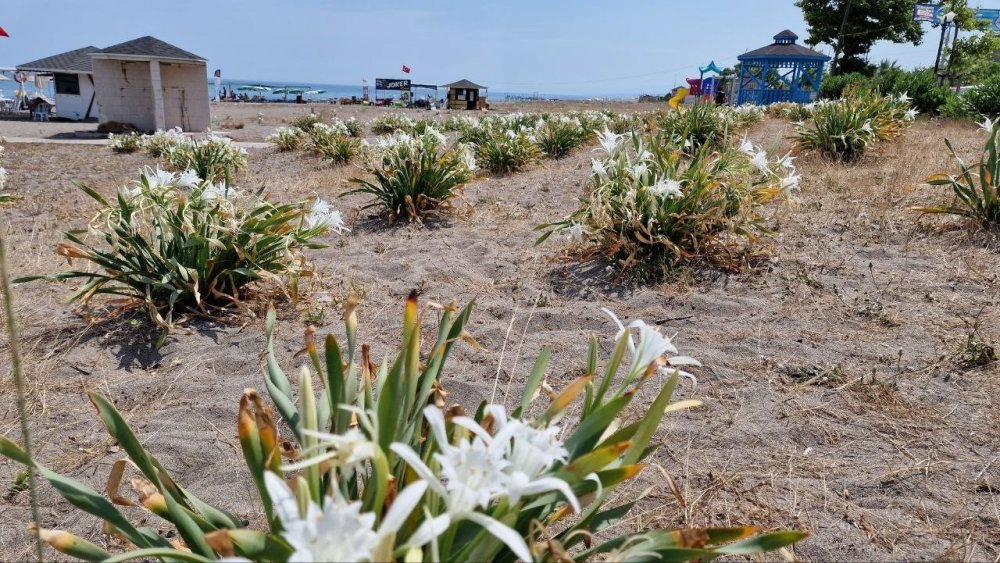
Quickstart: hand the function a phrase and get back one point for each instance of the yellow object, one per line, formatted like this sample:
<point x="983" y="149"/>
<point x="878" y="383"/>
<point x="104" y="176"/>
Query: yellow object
<point x="675" y="102"/>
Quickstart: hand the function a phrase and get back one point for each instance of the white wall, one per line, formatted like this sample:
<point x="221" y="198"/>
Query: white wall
<point x="69" y="106"/>
<point x="125" y="95"/>
<point x="123" y="92"/>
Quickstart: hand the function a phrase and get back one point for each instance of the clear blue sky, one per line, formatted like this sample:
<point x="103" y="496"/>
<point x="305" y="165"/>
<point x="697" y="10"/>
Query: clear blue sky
<point x="570" y="47"/>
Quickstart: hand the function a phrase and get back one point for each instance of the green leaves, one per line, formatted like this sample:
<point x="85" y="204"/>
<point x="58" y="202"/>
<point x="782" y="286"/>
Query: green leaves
<point x="178" y="248"/>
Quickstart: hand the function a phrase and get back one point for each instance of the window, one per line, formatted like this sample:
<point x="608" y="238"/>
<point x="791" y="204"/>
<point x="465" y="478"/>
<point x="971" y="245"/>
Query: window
<point x="68" y="84"/>
<point x="459" y="94"/>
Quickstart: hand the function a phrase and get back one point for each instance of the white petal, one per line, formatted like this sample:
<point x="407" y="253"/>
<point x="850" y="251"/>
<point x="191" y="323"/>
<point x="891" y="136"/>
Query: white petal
<point x="435" y="419"/>
<point x="429" y="530"/>
<point x="503" y="533"/>
<point x="401" y="508"/>
<point x="285" y="505"/>
<point x="546" y="484"/>
<point x="419" y="467"/>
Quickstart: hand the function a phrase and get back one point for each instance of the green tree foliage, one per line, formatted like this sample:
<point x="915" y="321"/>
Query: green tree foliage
<point x="851" y="27"/>
<point x="970" y="58"/>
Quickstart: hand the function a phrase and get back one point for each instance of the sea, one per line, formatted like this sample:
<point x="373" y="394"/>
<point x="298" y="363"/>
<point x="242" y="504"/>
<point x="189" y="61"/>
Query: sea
<point x="337" y="91"/>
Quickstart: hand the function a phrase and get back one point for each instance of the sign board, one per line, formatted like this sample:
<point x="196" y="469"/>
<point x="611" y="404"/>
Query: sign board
<point x="927" y="13"/>
<point x="992" y="15"/>
<point x="392" y="84"/>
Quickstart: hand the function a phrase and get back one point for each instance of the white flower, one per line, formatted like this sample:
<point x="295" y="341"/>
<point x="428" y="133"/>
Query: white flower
<point x="746" y="146"/>
<point x="468" y="157"/>
<point x="598" y="168"/>
<point x="667" y="188"/>
<point x="609" y="141"/>
<point x="477" y="471"/>
<point x="575" y="232"/>
<point x="867" y="127"/>
<point x="988" y="124"/>
<point x="188" y="179"/>
<point x="323" y="215"/>
<point x="903" y="98"/>
<point x="340" y="531"/>
<point x="639" y="170"/>
<point x="791" y="182"/>
<point x="652" y="347"/>
<point x="3" y="177"/>
<point x="760" y="161"/>
<point x="213" y="192"/>
<point x="786" y="161"/>
<point x="157" y="177"/>
<point x="348" y="450"/>
<point x="910" y="114"/>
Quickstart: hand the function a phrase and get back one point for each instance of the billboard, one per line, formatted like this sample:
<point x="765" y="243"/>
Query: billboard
<point x="392" y="84"/>
<point x="927" y="13"/>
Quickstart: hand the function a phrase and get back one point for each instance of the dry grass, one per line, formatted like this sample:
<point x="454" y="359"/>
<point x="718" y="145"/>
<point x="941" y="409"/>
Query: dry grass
<point x="890" y="455"/>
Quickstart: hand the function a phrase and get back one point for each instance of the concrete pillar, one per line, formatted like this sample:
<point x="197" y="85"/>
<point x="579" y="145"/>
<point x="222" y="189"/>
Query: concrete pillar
<point x="159" y="115"/>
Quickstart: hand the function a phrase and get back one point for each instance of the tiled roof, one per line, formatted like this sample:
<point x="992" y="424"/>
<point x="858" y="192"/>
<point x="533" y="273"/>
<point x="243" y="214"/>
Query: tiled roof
<point x="784" y="46"/>
<point x="76" y="61"/>
<point x="150" y="48"/>
<point x="463" y="83"/>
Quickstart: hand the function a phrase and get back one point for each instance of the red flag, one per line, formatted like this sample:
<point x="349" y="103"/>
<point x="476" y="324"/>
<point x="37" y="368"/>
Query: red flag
<point x="3" y="33"/>
<point x="406" y="69"/>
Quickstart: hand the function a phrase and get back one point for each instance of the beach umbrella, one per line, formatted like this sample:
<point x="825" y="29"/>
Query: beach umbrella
<point x="253" y="88"/>
<point x="314" y="92"/>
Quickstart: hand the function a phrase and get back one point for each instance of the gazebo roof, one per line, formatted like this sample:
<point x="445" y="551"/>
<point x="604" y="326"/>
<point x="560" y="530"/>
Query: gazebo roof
<point x="784" y="46"/>
<point x="147" y="48"/>
<point x="463" y="83"/>
<point x="76" y="61"/>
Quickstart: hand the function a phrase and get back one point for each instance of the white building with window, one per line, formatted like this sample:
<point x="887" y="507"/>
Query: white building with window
<point x="73" y="76"/>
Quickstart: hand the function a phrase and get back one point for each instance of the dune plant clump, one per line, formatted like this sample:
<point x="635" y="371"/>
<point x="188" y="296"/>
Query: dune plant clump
<point x="332" y="141"/>
<point x="177" y="243"/>
<point x="306" y="122"/>
<point x="414" y="175"/>
<point x="506" y="151"/>
<point x="377" y="466"/>
<point x="287" y="138"/>
<point x="353" y="127"/>
<point x="976" y="189"/>
<point x="742" y="117"/>
<point x="215" y="159"/>
<point x="703" y="124"/>
<point x="390" y="123"/>
<point x="842" y="130"/>
<point x="161" y="143"/>
<point x="558" y="135"/>
<point x="124" y="143"/>
<point x="653" y="205"/>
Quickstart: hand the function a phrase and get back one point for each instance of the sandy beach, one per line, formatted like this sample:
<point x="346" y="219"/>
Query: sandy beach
<point x="834" y="398"/>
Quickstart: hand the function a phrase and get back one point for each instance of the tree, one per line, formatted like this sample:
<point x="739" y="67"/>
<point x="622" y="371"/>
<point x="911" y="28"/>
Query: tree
<point x="970" y="58"/>
<point x="851" y="27"/>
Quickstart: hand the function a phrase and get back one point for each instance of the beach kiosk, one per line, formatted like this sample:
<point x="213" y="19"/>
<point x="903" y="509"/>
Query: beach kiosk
<point x="783" y="71"/>
<point x="151" y="84"/>
<point x="73" y="75"/>
<point x="464" y="94"/>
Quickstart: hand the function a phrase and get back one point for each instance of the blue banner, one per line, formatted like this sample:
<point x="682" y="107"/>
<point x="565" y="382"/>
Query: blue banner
<point x="992" y="15"/>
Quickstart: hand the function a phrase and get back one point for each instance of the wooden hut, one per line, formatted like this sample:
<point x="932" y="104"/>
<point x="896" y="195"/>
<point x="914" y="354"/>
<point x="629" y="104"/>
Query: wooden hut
<point x="780" y="72"/>
<point x="465" y="95"/>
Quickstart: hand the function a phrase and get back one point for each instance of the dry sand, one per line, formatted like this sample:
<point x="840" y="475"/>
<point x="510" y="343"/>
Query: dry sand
<point x="834" y="398"/>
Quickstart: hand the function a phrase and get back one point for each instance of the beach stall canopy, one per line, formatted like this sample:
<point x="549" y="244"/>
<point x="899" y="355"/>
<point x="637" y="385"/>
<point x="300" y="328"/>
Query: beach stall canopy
<point x="464" y="94"/>
<point x="150" y="84"/>
<point x="73" y="74"/>
<point x="783" y="71"/>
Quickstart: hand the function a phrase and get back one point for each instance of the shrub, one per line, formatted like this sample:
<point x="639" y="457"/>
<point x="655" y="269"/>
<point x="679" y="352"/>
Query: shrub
<point x="333" y="142"/>
<point x="843" y="129"/>
<point x="832" y="86"/>
<point x="160" y="143"/>
<point x="701" y="124"/>
<point x="306" y="122"/>
<point x="742" y="117"/>
<point x="381" y="473"/>
<point x="558" y="135"/>
<point x="353" y="127"/>
<point x="124" y="142"/>
<point x="984" y="99"/>
<point x="390" y="123"/>
<point x="503" y="152"/>
<point x="919" y="87"/>
<point x="414" y="175"/>
<point x="176" y="242"/>
<point x="977" y="188"/>
<point x="621" y="123"/>
<point x="216" y="159"/>
<point x="286" y="138"/>
<point x="652" y="207"/>
<point x="791" y="111"/>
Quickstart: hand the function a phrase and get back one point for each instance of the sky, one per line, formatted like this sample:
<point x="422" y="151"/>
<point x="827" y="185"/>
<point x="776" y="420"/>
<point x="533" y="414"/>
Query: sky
<point x="583" y="47"/>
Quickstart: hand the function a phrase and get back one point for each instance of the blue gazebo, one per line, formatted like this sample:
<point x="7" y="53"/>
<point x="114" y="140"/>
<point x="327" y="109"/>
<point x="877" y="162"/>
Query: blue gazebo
<point x="781" y="72"/>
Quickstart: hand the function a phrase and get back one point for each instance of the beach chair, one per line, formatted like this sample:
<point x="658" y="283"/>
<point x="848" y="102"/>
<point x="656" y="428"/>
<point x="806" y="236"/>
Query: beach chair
<point x="41" y="112"/>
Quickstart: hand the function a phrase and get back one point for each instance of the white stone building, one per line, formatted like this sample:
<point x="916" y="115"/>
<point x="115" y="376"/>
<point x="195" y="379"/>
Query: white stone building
<point x="73" y="76"/>
<point x="150" y="84"/>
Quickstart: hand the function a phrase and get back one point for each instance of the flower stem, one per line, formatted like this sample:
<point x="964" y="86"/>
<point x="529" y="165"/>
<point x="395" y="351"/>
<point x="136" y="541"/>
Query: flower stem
<point x="15" y="361"/>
